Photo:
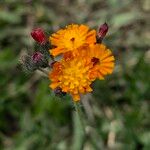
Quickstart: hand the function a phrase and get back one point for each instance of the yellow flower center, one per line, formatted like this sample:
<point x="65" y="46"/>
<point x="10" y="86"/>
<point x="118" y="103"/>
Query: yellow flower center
<point x="75" y="77"/>
<point x="73" y="40"/>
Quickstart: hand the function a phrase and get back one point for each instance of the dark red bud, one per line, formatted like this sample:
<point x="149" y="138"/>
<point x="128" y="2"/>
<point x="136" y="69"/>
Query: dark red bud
<point x="39" y="36"/>
<point x="58" y="92"/>
<point x="37" y="57"/>
<point x="103" y="29"/>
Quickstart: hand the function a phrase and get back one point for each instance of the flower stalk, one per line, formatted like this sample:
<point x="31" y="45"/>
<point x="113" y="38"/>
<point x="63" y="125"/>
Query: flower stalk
<point x="43" y="71"/>
<point x="79" y="114"/>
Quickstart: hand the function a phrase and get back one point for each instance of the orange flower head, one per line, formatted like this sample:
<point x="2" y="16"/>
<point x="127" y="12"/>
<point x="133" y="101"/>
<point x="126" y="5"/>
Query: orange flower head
<point x="71" y="38"/>
<point x="72" y="76"/>
<point x="103" y="61"/>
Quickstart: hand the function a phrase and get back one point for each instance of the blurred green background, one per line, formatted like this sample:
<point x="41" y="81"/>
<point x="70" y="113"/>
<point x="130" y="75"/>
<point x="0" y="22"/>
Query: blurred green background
<point x="31" y="117"/>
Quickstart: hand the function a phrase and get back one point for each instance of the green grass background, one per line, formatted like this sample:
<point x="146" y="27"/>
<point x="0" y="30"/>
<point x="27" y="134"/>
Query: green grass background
<point x="32" y="118"/>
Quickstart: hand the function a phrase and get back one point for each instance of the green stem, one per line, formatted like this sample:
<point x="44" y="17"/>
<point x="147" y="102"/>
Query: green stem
<point x="79" y="136"/>
<point x="44" y="71"/>
<point x="79" y="114"/>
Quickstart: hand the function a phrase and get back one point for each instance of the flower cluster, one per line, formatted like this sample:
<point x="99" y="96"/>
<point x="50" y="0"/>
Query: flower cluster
<point x="83" y="59"/>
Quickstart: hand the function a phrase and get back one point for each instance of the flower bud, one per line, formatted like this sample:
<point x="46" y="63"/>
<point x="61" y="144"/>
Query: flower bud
<point x="27" y="63"/>
<point x="103" y="29"/>
<point x="58" y="92"/>
<point x="37" y="57"/>
<point x="39" y="60"/>
<point x="39" y="36"/>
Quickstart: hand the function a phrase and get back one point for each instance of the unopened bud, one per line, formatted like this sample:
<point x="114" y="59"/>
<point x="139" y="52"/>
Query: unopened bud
<point x="58" y="92"/>
<point x="39" y="36"/>
<point x="39" y="60"/>
<point x="103" y="29"/>
<point x="37" y="57"/>
<point x="27" y="63"/>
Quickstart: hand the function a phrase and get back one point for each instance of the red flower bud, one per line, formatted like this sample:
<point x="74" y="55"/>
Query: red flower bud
<point x="103" y="29"/>
<point x="37" y="57"/>
<point x="39" y="36"/>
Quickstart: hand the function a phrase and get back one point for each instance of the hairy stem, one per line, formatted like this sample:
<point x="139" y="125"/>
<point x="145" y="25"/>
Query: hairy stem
<point x="44" y="71"/>
<point x="79" y="114"/>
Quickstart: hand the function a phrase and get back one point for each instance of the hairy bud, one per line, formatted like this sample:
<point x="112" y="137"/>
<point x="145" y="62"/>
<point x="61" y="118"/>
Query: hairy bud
<point x="58" y="92"/>
<point x="27" y="63"/>
<point x="103" y="29"/>
<point x="37" y="57"/>
<point x="39" y="36"/>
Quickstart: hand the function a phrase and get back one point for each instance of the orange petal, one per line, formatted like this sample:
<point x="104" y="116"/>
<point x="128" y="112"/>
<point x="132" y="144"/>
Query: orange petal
<point x="56" y="51"/>
<point x="91" y="37"/>
<point x="89" y="89"/>
<point x="83" y="29"/>
<point x="53" y="85"/>
<point x="108" y="70"/>
<point x="100" y="75"/>
<point x="109" y="64"/>
<point x="76" y="97"/>
<point x="109" y="59"/>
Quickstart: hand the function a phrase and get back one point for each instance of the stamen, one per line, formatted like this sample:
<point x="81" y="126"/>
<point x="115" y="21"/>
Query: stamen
<point x="95" y="60"/>
<point x="72" y="39"/>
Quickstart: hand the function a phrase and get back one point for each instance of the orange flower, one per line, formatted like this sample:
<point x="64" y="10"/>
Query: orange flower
<point x="103" y="61"/>
<point x="54" y="75"/>
<point x="71" y="38"/>
<point x="72" y="76"/>
<point x="75" y="73"/>
<point x="82" y="62"/>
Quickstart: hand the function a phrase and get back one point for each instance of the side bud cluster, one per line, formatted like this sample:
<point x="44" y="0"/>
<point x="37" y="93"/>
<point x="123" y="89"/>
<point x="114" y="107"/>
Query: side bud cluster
<point x="33" y="62"/>
<point x="38" y="59"/>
